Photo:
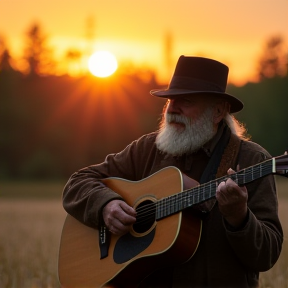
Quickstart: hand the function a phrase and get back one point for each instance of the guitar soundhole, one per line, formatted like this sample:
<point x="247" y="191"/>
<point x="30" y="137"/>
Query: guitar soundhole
<point x="146" y="214"/>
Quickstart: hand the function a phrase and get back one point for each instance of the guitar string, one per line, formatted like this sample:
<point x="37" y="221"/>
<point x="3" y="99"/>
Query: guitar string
<point x="264" y="166"/>
<point x="163" y="208"/>
<point x="199" y="191"/>
<point x="263" y="170"/>
<point x="149" y="210"/>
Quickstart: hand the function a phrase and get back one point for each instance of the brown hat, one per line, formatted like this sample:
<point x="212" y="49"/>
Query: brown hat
<point x="197" y="75"/>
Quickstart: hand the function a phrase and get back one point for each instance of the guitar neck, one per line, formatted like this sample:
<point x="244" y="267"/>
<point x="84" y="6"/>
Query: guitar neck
<point x="187" y="198"/>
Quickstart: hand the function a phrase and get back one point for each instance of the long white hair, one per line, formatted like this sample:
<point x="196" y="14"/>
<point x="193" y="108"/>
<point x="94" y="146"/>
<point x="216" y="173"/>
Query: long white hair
<point x="236" y="127"/>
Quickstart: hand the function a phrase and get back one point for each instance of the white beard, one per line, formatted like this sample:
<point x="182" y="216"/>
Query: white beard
<point x="192" y="137"/>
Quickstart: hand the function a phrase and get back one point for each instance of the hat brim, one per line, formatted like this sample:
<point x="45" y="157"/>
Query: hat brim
<point x="236" y="104"/>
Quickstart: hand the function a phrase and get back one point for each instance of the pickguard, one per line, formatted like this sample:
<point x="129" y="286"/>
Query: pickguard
<point x="129" y="246"/>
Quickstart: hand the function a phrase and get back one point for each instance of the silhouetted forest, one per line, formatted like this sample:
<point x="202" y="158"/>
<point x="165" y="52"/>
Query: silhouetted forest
<point x="265" y="112"/>
<point x="52" y="126"/>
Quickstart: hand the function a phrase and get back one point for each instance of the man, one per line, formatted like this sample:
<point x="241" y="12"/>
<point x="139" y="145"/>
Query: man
<point x="241" y="232"/>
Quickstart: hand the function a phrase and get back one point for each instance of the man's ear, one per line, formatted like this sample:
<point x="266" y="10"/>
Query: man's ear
<point x="220" y="111"/>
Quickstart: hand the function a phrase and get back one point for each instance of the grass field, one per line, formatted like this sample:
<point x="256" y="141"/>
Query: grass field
<point x="31" y="219"/>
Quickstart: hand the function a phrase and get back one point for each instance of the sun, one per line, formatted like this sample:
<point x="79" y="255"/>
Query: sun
<point x="102" y="64"/>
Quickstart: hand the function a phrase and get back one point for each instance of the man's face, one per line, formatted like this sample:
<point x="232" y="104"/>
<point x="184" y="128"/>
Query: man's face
<point x="190" y="107"/>
<point x="187" y="124"/>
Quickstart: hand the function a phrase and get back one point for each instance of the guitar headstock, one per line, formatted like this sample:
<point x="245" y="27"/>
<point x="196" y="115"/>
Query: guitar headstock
<point x="281" y="165"/>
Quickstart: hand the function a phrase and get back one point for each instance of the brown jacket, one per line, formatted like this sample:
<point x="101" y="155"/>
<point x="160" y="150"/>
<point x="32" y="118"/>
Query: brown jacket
<point x="225" y="257"/>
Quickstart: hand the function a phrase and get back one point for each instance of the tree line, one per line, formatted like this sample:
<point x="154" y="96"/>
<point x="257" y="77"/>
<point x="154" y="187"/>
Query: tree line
<point x="53" y="125"/>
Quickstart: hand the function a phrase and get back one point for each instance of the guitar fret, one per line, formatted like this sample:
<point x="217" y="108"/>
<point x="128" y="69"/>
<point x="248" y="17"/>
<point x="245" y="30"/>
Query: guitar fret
<point x="180" y="202"/>
<point x="184" y="201"/>
<point x="236" y="178"/>
<point x="169" y="205"/>
<point x="196" y="196"/>
<point x="173" y="210"/>
<point x="248" y="178"/>
<point x="244" y="176"/>
<point x="210" y="188"/>
<point x="176" y="203"/>
<point x="190" y="199"/>
<point x="159" y="210"/>
<point x="200" y="193"/>
<point x="164" y="207"/>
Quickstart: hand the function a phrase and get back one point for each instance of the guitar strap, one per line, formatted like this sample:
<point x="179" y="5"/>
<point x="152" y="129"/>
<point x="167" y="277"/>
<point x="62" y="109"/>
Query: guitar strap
<point x="214" y="162"/>
<point x="230" y="157"/>
<point x="224" y="156"/>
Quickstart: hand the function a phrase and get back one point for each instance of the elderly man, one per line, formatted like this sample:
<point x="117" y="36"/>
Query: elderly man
<point x="241" y="234"/>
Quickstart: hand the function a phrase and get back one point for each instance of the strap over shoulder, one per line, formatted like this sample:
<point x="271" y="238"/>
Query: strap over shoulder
<point x="230" y="156"/>
<point x="229" y="149"/>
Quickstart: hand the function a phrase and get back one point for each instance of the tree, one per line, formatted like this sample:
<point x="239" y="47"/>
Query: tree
<point x="5" y="61"/>
<point x="273" y="61"/>
<point x="37" y="54"/>
<point x="5" y="58"/>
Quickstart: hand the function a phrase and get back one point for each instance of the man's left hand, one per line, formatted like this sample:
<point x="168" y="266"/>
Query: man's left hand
<point x="232" y="201"/>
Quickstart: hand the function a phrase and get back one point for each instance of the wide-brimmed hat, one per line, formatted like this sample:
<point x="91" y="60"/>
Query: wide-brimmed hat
<point x="198" y="75"/>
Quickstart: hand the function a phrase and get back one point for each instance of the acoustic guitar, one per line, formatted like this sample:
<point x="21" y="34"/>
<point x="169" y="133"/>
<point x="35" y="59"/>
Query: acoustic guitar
<point x="164" y="233"/>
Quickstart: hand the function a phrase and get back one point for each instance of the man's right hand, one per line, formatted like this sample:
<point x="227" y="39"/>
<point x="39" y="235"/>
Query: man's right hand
<point x="119" y="216"/>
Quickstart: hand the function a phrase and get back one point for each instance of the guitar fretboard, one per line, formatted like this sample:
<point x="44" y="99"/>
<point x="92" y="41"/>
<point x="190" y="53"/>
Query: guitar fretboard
<point x="180" y="201"/>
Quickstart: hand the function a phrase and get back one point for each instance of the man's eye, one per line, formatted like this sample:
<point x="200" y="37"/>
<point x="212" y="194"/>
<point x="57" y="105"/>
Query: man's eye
<point x="187" y="101"/>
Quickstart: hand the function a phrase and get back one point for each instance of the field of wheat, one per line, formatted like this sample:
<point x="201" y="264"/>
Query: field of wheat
<point x="30" y="230"/>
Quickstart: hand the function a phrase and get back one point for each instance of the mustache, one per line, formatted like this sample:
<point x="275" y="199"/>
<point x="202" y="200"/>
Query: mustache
<point x="177" y="118"/>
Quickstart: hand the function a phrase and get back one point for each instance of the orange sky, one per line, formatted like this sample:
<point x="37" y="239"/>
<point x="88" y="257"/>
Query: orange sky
<point x="231" y="31"/>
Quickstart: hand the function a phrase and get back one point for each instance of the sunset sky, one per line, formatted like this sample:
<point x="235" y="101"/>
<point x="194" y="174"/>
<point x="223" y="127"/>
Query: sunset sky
<point x="231" y="31"/>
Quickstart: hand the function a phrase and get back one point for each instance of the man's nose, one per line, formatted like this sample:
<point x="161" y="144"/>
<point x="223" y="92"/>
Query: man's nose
<point x="173" y="106"/>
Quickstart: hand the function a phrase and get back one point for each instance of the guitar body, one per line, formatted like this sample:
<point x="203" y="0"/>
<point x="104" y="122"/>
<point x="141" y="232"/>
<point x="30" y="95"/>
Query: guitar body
<point x="132" y="257"/>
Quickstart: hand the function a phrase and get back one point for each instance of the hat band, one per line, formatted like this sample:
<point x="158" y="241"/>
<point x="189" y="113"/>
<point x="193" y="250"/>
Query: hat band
<point x="179" y="82"/>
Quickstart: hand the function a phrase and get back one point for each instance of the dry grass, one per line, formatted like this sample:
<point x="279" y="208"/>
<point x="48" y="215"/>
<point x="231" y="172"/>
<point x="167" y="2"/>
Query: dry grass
<point x="29" y="243"/>
<point x="277" y="277"/>
<point x="30" y="234"/>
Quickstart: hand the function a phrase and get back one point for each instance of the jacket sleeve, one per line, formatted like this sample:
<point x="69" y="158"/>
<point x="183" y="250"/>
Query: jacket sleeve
<point x="84" y="195"/>
<point x="258" y="244"/>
